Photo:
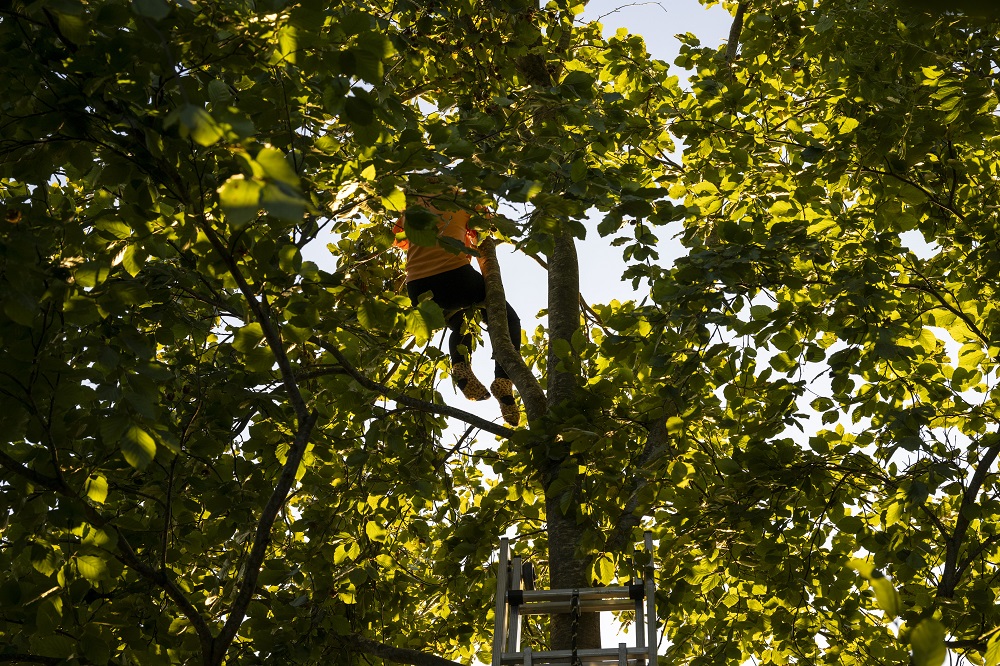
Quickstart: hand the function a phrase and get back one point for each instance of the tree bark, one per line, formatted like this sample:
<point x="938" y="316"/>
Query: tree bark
<point x="502" y="339"/>
<point x="567" y="568"/>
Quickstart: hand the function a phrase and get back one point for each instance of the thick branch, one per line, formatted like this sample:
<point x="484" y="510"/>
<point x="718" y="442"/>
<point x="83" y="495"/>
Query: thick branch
<point x="951" y="574"/>
<point x="397" y="655"/>
<point x="564" y="317"/>
<point x="413" y="403"/>
<point x="656" y="446"/>
<point x="49" y="483"/>
<point x="258" y="551"/>
<point x="500" y="337"/>
<point x="733" y="45"/>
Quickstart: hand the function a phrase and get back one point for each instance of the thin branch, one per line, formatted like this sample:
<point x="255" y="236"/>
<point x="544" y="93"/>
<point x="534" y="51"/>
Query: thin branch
<point x="656" y="446"/>
<point x="952" y="573"/>
<point x="395" y="654"/>
<point x="413" y="403"/>
<point x="126" y="554"/>
<point x="976" y="552"/>
<point x="37" y="478"/>
<point x="954" y="309"/>
<point x="930" y="195"/>
<point x="252" y="566"/>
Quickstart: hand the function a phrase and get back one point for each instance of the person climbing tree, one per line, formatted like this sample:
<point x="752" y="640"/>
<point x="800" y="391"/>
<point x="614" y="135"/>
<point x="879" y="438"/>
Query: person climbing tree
<point x="444" y="269"/>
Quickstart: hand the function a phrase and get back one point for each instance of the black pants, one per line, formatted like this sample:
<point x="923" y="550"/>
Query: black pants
<point x="461" y="289"/>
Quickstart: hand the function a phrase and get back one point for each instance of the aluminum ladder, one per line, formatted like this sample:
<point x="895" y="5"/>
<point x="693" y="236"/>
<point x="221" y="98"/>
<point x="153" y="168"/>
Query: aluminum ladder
<point x="514" y="601"/>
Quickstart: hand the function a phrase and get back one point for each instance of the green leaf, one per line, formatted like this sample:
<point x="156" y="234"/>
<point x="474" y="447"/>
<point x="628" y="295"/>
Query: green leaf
<point x="970" y="356"/>
<point x="219" y="92"/>
<point x="91" y="567"/>
<point x="375" y="531"/>
<point x="359" y="111"/>
<point x="885" y="594"/>
<point x="138" y="447"/>
<point x="248" y="337"/>
<point x="199" y="124"/>
<point x="283" y="203"/>
<point x="927" y="643"/>
<point x="21" y="308"/>
<point x="133" y="259"/>
<point x="97" y="488"/>
<point x="241" y="200"/>
<point x="782" y="208"/>
<point x="154" y="9"/>
<point x="374" y="315"/>
<point x="276" y="167"/>
<point x="395" y="201"/>
<point x="812" y="154"/>
<point x="44" y="560"/>
<point x="287" y="43"/>
<point x="581" y="82"/>
<point x="993" y="650"/>
<point x="289" y="259"/>
<point x="604" y="569"/>
<point x="10" y="593"/>
<point x="95" y="649"/>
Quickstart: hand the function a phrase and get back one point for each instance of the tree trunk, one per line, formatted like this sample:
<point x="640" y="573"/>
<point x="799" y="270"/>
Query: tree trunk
<point x="566" y="569"/>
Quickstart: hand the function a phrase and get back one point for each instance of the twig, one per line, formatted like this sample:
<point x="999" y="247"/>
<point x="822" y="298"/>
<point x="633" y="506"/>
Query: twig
<point x="397" y="655"/>
<point x="413" y="403"/>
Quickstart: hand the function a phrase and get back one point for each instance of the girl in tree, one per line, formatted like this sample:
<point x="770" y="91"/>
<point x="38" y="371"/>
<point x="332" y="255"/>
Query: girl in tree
<point x="444" y="269"/>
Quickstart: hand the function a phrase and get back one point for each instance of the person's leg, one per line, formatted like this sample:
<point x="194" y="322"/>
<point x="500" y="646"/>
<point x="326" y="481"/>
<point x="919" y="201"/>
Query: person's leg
<point x="460" y="350"/>
<point x="514" y="328"/>
<point x="502" y="387"/>
<point x="459" y="338"/>
<point x="456" y="290"/>
<point x="452" y="290"/>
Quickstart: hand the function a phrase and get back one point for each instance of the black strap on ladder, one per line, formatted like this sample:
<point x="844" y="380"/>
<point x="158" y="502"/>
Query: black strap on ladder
<point x="574" y="606"/>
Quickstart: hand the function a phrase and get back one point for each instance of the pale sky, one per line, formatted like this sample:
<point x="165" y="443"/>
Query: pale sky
<point x="601" y="266"/>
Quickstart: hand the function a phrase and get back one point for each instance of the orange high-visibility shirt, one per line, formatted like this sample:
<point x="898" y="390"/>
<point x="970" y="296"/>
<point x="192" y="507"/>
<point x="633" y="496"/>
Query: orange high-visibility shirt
<point x="423" y="261"/>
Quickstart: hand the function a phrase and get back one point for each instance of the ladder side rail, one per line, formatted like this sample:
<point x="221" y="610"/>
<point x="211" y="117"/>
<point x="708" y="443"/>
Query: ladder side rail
<point x="500" y="617"/>
<point x="513" y="610"/>
<point x="527" y="657"/>
<point x="650" y="580"/>
<point x="622" y="654"/>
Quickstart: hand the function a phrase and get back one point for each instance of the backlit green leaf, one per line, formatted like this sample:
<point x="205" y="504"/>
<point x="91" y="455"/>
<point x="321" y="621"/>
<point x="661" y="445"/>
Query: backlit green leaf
<point x="241" y="200"/>
<point x="927" y="643"/>
<point x="97" y="488"/>
<point x="138" y="447"/>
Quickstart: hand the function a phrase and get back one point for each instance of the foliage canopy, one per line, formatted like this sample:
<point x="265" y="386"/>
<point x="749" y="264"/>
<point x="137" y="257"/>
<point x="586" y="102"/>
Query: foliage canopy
<point x="198" y="462"/>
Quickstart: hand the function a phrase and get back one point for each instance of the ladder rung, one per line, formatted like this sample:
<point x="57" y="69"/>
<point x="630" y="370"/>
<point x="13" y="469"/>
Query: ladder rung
<point x="602" y="656"/>
<point x="585" y="593"/>
<point x="589" y="606"/>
